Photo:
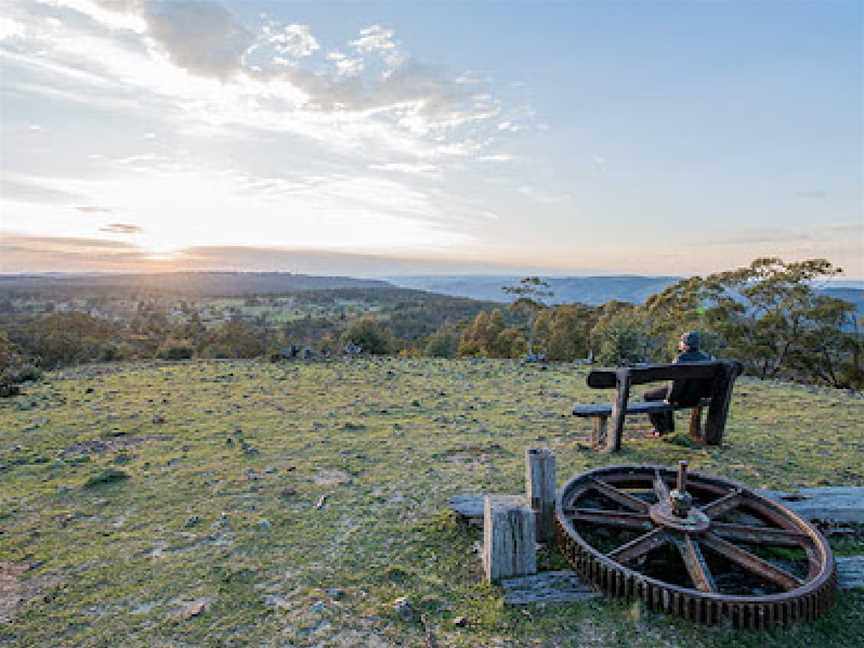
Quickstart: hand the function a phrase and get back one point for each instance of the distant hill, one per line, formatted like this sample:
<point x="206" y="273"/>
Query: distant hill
<point x="586" y="290"/>
<point x="192" y="284"/>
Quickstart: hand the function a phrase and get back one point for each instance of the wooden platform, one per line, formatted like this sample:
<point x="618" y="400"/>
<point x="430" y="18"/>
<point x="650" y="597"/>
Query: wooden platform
<point x="566" y="587"/>
<point x="844" y="504"/>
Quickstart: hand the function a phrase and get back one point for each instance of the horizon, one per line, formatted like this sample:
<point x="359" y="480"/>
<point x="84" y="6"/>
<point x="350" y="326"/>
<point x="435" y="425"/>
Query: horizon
<point x="380" y="140"/>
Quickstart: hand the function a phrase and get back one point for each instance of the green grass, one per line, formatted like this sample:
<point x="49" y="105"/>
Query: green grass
<point x="211" y="449"/>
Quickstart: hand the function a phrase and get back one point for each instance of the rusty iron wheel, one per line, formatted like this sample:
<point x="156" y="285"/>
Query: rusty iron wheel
<point x="700" y="547"/>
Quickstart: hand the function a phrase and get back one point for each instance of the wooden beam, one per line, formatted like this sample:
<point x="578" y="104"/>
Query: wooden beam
<point x="540" y="481"/>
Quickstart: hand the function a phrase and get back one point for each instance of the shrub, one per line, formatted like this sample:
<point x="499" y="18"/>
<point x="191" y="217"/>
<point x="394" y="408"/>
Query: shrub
<point x="621" y="339"/>
<point x="174" y="349"/>
<point x="234" y="339"/>
<point x="368" y="334"/>
<point x="443" y="343"/>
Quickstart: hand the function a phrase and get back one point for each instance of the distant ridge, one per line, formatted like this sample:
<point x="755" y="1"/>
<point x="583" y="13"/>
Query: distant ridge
<point x="586" y="290"/>
<point x="200" y="284"/>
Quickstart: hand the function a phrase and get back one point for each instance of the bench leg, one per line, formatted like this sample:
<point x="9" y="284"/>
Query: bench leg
<point x="598" y="432"/>
<point x="696" y="424"/>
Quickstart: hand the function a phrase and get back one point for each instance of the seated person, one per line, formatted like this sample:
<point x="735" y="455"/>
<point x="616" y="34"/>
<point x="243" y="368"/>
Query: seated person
<point x="680" y="392"/>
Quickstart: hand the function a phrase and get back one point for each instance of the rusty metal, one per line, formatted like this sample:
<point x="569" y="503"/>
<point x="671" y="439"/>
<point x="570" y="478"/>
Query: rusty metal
<point x="694" y="536"/>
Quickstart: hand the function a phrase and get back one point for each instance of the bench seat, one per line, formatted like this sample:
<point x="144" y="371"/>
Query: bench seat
<point x="640" y="407"/>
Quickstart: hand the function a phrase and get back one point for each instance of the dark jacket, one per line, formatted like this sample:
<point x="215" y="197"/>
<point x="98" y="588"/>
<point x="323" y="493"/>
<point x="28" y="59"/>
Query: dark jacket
<point x="690" y="392"/>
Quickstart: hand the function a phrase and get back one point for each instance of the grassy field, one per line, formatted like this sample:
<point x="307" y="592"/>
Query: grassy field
<point x="245" y="503"/>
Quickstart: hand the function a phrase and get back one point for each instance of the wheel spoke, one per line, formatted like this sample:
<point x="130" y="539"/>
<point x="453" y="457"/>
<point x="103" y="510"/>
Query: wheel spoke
<point x="695" y="563"/>
<point x="660" y="487"/>
<point x="752" y="563"/>
<point x="617" y="519"/>
<point x="620" y="496"/>
<point x="639" y="547"/>
<point x="720" y="507"/>
<point x="759" y="535"/>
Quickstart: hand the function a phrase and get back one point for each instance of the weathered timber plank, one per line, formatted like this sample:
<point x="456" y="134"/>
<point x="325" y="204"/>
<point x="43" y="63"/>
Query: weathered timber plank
<point x="829" y="504"/>
<point x="850" y="572"/>
<point x="548" y="587"/>
<point x="566" y="587"/>
<point x="638" y="407"/>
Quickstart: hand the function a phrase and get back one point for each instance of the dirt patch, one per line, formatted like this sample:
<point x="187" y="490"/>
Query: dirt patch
<point x="473" y="453"/>
<point x="15" y="592"/>
<point x="332" y="477"/>
<point x="109" y="444"/>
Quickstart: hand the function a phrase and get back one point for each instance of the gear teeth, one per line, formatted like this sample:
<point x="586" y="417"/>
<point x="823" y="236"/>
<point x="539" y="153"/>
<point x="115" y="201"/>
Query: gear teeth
<point x="813" y="599"/>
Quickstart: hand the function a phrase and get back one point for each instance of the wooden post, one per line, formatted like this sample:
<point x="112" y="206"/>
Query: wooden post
<point x="598" y="432"/>
<point x="696" y="424"/>
<point x="509" y="538"/>
<point x="619" y="410"/>
<point x="718" y="410"/>
<point x="540" y="483"/>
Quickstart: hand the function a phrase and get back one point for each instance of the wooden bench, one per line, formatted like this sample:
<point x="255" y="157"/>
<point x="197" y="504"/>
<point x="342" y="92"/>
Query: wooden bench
<point x="716" y="379"/>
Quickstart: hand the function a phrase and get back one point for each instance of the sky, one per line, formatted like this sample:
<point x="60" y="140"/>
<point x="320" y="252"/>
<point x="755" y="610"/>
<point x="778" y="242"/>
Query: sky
<point x="669" y="138"/>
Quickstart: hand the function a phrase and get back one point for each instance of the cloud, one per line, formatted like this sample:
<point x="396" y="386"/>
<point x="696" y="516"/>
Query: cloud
<point x="346" y="66"/>
<point x="374" y="39"/>
<point x="202" y="37"/>
<point x="121" y="228"/>
<point x="93" y="209"/>
<point x="71" y="254"/>
<point x="295" y="41"/>
<point x="54" y="253"/>
<point x="10" y="28"/>
<point x="30" y="191"/>
<point x="541" y="196"/>
<point x="419" y="168"/>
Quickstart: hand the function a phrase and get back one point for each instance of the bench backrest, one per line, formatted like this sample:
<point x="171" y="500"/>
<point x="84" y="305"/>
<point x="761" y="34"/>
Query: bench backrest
<point x="608" y="378"/>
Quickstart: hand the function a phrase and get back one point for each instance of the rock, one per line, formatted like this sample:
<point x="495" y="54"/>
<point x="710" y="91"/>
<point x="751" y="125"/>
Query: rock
<point x="335" y="593"/>
<point x="402" y="606"/>
<point x="264" y="525"/>
<point x="192" y="609"/>
<point x="158" y="419"/>
<point x="288" y="493"/>
<point x="317" y="606"/>
<point x="192" y="521"/>
<point x="460" y="622"/>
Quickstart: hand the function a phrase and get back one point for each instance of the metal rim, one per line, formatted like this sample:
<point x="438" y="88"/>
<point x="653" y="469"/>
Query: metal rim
<point x="641" y="501"/>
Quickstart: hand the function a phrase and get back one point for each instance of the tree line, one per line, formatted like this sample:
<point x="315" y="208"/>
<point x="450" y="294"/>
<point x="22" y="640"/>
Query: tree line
<point x="766" y="315"/>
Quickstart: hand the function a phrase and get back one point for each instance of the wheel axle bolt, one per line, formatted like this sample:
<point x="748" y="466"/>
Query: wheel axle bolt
<point x="680" y="501"/>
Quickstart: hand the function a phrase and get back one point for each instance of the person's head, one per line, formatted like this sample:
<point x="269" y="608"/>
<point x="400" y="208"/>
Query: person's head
<point x="689" y="341"/>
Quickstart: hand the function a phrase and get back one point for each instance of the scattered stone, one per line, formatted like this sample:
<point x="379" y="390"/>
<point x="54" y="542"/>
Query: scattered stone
<point x="264" y="525"/>
<point x="277" y="602"/>
<point x="317" y="606"/>
<point x="402" y="606"/>
<point x="288" y="493"/>
<point x="191" y="521"/>
<point x="193" y="609"/>
<point x="335" y="593"/>
<point x="158" y="419"/>
<point x="460" y="622"/>
<point x="321" y="502"/>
